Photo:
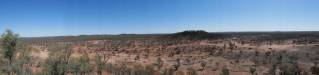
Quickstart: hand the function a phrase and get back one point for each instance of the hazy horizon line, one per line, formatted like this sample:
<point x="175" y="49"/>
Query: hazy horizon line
<point x="162" y="33"/>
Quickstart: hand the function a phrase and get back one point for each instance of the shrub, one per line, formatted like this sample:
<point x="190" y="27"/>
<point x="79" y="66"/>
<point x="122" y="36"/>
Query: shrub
<point x="58" y="61"/>
<point x="191" y="71"/>
<point x="122" y="68"/>
<point x="252" y="70"/>
<point x="100" y="63"/>
<point x="159" y="63"/>
<point x="290" y="69"/>
<point x="168" y="71"/>
<point x="225" y="71"/>
<point x="315" y="69"/>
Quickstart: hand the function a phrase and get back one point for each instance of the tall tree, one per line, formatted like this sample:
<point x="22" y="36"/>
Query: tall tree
<point x="8" y="43"/>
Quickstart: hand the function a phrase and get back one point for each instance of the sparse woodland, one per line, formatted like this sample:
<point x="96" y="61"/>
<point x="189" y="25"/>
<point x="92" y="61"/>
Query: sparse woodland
<point x="182" y="53"/>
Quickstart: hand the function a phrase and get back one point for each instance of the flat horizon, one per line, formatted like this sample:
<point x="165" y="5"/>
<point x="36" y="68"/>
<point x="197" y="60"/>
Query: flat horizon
<point x="163" y="33"/>
<point x="35" y="18"/>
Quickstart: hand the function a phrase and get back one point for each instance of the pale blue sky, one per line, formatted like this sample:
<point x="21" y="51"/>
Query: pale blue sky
<point x="75" y="17"/>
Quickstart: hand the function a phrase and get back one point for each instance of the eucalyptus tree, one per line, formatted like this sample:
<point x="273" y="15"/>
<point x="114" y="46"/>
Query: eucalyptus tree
<point x="8" y="50"/>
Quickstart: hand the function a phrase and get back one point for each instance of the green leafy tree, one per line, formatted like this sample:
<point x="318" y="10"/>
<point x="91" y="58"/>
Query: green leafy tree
<point x="8" y="44"/>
